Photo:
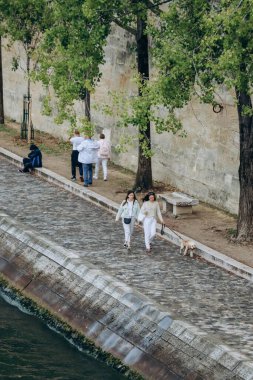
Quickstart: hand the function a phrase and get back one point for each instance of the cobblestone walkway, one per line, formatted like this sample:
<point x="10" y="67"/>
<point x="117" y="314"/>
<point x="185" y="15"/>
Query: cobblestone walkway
<point x="208" y="297"/>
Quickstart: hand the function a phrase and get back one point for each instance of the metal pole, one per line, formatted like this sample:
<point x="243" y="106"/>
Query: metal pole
<point x="29" y="132"/>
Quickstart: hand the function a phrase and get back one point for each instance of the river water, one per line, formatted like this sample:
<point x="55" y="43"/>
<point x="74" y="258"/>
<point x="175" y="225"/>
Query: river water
<point x="29" y="350"/>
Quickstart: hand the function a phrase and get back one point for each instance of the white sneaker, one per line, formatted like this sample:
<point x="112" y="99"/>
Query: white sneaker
<point x="95" y="177"/>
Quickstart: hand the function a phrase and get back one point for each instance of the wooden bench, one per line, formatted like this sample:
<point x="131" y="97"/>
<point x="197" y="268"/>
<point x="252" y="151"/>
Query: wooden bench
<point x="178" y="203"/>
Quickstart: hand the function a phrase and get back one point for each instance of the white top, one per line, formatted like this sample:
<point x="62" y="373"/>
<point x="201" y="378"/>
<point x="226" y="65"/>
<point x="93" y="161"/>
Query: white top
<point x="152" y="210"/>
<point x="88" y="151"/>
<point x="75" y="141"/>
<point x="104" y="147"/>
<point x="130" y="208"/>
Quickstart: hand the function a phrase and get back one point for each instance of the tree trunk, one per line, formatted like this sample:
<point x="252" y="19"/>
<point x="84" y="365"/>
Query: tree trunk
<point x="28" y="61"/>
<point x="144" y="172"/>
<point x="245" y="216"/>
<point x="87" y="104"/>
<point x="29" y="101"/>
<point x="1" y="87"/>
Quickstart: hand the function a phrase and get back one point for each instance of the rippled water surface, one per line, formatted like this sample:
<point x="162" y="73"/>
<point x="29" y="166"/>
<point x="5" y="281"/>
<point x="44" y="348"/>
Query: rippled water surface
<point x="30" y="350"/>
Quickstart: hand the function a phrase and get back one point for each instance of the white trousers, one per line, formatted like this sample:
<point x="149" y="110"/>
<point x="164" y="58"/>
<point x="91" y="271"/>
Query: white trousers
<point x="149" y="225"/>
<point x="128" y="229"/>
<point x="102" y="161"/>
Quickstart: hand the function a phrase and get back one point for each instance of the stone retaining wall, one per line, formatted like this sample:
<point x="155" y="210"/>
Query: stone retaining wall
<point x="117" y="318"/>
<point x="205" y="162"/>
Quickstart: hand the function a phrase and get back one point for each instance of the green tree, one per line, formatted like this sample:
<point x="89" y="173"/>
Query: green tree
<point x="70" y="57"/>
<point x="1" y="77"/>
<point x="25" y="21"/>
<point x="132" y="15"/>
<point x="1" y="87"/>
<point x="72" y="54"/>
<point x="200" y="45"/>
<point x="139" y="111"/>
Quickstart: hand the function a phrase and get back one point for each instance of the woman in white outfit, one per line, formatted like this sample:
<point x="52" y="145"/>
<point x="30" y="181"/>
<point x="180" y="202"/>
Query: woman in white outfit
<point x="103" y="156"/>
<point x="128" y="211"/>
<point x="151" y="210"/>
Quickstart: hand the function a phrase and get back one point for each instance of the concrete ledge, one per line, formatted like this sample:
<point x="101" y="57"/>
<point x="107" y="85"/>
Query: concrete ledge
<point x="63" y="182"/>
<point x="115" y="317"/>
<point x="205" y="252"/>
<point x="211" y="255"/>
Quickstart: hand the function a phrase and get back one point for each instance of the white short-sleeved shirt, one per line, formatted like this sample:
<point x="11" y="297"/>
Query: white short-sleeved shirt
<point x="75" y="141"/>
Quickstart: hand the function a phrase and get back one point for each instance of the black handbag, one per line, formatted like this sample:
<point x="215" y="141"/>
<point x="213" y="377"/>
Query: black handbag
<point x="128" y="220"/>
<point x="162" y="229"/>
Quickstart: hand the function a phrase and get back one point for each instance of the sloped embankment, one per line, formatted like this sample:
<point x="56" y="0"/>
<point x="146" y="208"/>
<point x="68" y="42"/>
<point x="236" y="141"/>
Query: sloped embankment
<point x="111" y="314"/>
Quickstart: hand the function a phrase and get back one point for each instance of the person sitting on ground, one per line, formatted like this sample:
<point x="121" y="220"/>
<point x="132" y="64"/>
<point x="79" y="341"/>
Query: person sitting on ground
<point x="88" y="154"/>
<point x="34" y="160"/>
<point x="103" y="156"/>
<point x="75" y="141"/>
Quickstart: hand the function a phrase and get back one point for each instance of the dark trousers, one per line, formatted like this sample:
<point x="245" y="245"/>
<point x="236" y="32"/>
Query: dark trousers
<point x="87" y="174"/>
<point x="75" y="163"/>
<point x="27" y="165"/>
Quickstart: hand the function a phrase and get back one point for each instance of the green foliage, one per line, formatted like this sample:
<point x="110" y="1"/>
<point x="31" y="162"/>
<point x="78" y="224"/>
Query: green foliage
<point x="140" y="110"/>
<point x="105" y="12"/>
<point x="247" y="111"/>
<point x="231" y="232"/>
<point x="71" y="36"/>
<point x="15" y="63"/>
<point x="137" y="111"/>
<point x="84" y="125"/>
<point x="70" y="55"/>
<point x="125" y="141"/>
<point x="47" y="105"/>
<point x="24" y="21"/>
<point x="200" y="45"/>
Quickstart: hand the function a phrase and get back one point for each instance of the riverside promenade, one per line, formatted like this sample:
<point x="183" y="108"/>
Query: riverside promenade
<point x="191" y="290"/>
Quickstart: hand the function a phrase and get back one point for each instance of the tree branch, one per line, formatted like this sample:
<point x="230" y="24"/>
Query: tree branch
<point x="155" y="7"/>
<point x="126" y="27"/>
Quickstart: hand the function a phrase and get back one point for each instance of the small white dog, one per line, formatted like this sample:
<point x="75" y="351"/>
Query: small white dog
<point x="187" y="245"/>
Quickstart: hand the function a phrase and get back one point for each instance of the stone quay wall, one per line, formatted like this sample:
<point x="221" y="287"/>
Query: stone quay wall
<point x="205" y="162"/>
<point x="115" y="317"/>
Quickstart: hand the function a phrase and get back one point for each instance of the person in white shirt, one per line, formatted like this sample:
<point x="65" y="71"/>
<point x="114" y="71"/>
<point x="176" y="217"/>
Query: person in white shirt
<point x="104" y="154"/>
<point x="128" y="211"/>
<point x="151" y="210"/>
<point x="75" y="141"/>
<point x="88" y="154"/>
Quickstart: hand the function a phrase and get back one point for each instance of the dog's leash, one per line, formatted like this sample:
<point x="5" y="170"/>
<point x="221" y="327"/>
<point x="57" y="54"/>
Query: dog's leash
<point x="162" y="230"/>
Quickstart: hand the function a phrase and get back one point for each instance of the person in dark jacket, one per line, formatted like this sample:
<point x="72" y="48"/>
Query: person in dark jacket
<point x="34" y="160"/>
